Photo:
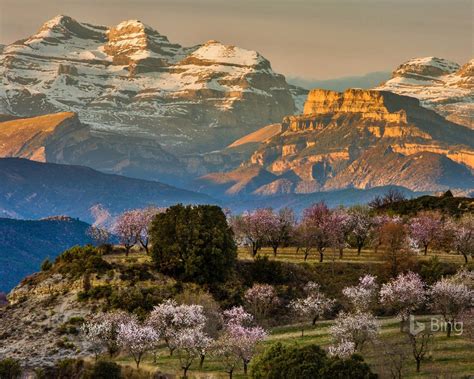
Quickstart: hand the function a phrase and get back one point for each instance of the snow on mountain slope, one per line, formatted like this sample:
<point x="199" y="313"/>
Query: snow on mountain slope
<point x="130" y="80"/>
<point x="439" y="84"/>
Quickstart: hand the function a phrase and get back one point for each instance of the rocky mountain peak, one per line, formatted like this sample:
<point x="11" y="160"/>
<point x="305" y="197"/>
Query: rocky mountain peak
<point x="439" y="84"/>
<point x="426" y="66"/>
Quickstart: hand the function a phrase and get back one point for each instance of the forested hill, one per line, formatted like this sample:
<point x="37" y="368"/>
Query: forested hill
<point x="24" y="244"/>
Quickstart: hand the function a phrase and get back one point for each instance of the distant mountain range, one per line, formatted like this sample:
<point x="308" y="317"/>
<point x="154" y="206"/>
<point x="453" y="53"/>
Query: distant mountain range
<point x="32" y="190"/>
<point x="129" y="80"/>
<point x="355" y="139"/>
<point x="24" y="244"/>
<point x="217" y="118"/>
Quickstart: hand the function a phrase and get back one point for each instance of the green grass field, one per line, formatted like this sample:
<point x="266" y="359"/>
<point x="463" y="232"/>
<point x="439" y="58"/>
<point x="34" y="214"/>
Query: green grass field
<point x="448" y="357"/>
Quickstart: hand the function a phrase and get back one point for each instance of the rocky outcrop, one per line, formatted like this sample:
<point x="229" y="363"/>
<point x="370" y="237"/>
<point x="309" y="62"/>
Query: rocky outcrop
<point x="131" y="81"/>
<point x="361" y="139"/>
<point x="439" y="84"/>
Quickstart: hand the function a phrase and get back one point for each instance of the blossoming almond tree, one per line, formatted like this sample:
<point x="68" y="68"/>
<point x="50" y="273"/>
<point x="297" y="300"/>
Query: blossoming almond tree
<point x="102" y="331"/>
<point x="260" y="300"/>
<point x="404" y="294"/>
<point x="169" y="318"/>
<point x="358" y="328"/>
<point x="240" y="335"/>
<point x="127" y="229"/>
<point x="313" y="306"/>
<point x="362" y="296"/>
<point x="190" y="344"/>
<point x="452" y="300"/>
<point x="425" y="228"/>
<point x="137" y="339"/>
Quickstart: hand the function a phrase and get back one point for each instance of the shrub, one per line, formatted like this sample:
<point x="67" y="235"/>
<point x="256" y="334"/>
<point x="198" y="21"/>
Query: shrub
<point x="10" y="369"/>
<point x="106" y="370"/>
<point x="46" y="265"/>
<point x="306" y="362"/>
<point x="193" y="243"/>
<point x="78" y="260"/>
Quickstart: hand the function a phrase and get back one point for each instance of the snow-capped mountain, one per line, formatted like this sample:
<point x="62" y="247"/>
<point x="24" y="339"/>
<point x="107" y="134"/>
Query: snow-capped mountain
<point x="129" y="80"/>
<point x="439" y="84"/>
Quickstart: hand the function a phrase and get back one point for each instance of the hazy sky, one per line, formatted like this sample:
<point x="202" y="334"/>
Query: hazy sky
<point x="316" y="39"/>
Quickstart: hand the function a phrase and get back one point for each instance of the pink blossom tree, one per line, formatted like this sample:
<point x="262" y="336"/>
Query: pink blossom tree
<point x="425" y="229"/>
<point x="404" y="294"/>
<point x="261" y="299"/>
<point x="137" y="339"/>
<point x="452" y="300"/>
<point x="241" y="335"/>
<point x="144" y="218"/>
<point x="463" y="236"/>
<point x="127" y="229"/>
<point x="362" y="296"/>
<point x="280" y="229"/>
<point x="342" y="228"/>
<point x="343" y="349"/>
<point x="313" y="306"/>
<point x="191" y="343"/>
<point x="320" y="222"/>
<point x="361" y="222"/>
<point x="253" y="228"/>
<point x="357" y="328"/>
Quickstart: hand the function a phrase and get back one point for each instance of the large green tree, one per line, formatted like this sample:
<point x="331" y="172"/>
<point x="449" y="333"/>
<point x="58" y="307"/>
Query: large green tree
<point x="193" y="243"/>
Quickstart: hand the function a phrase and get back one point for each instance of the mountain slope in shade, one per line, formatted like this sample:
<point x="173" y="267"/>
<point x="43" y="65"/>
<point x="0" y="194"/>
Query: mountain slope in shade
<point x="130" y="80"/>
<point x="32" y="190"/>
<point x="439" y="84"/>
<point x="63" y="138"/>
<point x="356" y="139"/>
<point x="24" y="244"/>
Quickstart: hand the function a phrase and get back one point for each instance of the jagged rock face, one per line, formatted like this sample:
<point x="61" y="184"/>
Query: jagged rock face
<point x="129" y="80"/>
<point x="439" y="84"/>
<point x="361" y="139"/>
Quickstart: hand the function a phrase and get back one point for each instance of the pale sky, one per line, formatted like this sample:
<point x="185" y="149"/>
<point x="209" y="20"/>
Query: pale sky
<point x="312" y="39"/>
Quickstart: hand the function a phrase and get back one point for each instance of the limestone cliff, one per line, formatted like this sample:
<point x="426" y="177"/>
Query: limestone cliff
<point x="361" y="139"/>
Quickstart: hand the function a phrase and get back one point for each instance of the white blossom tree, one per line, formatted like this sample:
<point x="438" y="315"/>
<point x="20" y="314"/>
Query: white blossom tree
<point x="452" y="300"/>
<point x="137" y="339"/>
<point x="240" y="335"/>
<point x="361" y="223"/>
<point x="169" y="319"/>
<point x="463" y="236"/>
<point x="101" y="331"/>
<point x="313" y="306"/>
<point x="191" y="343"/>
<point x="362" y="296"/>
<point x="358" y="328"/>
<point x="343" y="349"/>
<point x="404" y="294"/>
<point x="261" y="299"/>
<point x="425" y="229"/>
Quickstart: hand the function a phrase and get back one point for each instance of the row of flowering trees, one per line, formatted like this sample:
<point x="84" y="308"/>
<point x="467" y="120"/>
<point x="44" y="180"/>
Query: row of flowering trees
<point x="182" y="329"/>
<point x="321" y="228"/>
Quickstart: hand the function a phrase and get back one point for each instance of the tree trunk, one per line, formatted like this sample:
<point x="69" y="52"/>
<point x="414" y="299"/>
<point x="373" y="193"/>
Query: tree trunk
<point x="426" y="249"/>
<point x="465" y="257"/>
<point x="201" y="361"/>
<point x="418" y="362"/>
<point x="185" y="372"/>
<point x="306" y="253"/>
<point x="302" y="332"/>
<point x="245" y="367"/>
<point x="230" y="374"/>
<point x="359" y="249"/>
<point x="275" y="248"/>
<point x="321" y="256"/>
<point x="314" y="320"/>
<point x="341" y="252"/>
<point x="449" y="327"/>
<point x="127" y="250"/>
